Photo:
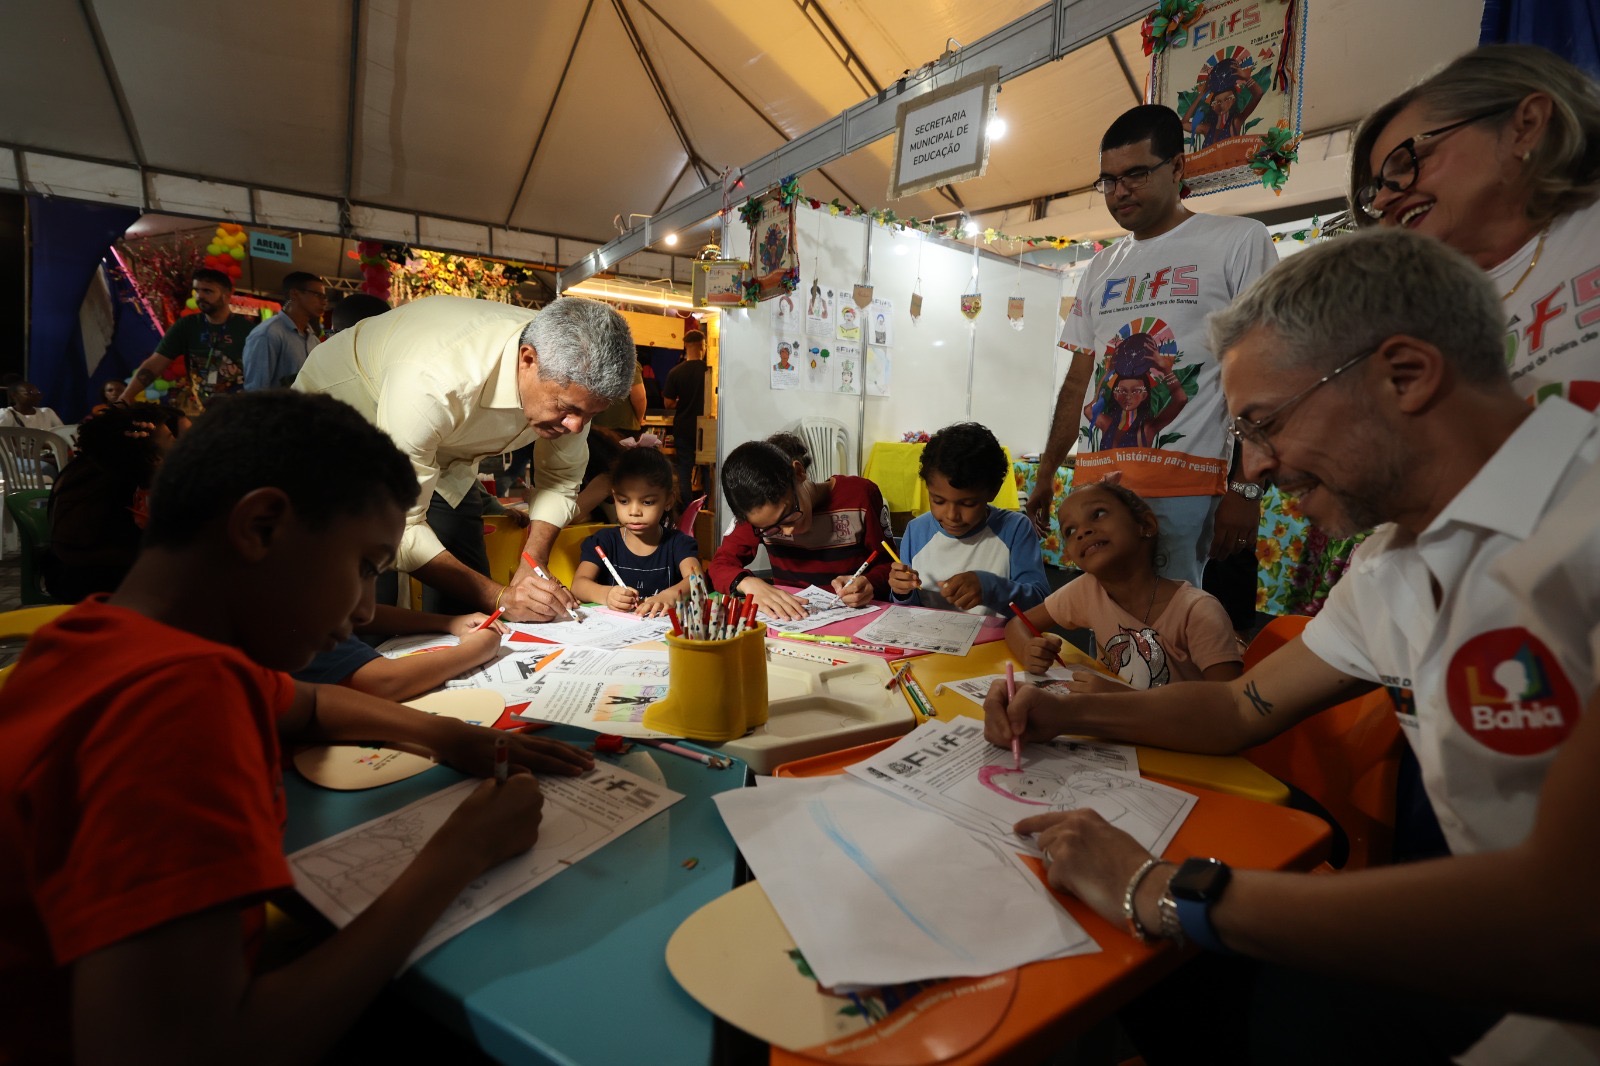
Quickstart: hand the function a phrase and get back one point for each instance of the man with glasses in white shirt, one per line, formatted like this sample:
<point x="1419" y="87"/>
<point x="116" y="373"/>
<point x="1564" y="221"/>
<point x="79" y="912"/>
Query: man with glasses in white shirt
<point x="1139" y="322"/>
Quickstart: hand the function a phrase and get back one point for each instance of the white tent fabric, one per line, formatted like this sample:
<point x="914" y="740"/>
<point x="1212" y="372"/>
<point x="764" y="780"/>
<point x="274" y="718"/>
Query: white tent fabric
<point x="524" y="128"/>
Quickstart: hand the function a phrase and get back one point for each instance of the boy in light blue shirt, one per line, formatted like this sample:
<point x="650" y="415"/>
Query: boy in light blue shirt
<point x="965" y="554"/>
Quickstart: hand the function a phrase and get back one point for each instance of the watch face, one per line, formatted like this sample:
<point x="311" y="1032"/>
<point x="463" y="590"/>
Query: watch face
<point x="1201" y="880"/>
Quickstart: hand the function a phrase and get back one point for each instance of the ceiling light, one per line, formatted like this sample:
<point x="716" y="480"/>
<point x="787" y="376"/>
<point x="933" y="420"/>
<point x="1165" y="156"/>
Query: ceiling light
<point x="997" y="128"/>
<point x="671" y="239"/>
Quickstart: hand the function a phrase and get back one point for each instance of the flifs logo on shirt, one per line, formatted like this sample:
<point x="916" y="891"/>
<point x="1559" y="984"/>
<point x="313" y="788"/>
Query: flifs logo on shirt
<point x="1508" y="692"/>
<point x="1136" y="288"/>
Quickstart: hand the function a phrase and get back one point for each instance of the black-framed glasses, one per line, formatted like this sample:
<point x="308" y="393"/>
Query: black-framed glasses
<point x="1399" y="170"/>
<point x="1130" y="179"/>
<point x="1258" y="432"/>
<point x="789" y="519"/>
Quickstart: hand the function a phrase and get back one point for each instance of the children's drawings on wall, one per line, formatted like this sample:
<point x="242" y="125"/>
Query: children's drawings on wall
<point x="847" y="327"/>
<point x="786" y="353"/>
<point x="787" y="316"/>
<point x="878" y="368"/>
<point x="880" y="323"/>
<point x="814" y="373"/>
<point x="819" y="311"/>
<point x="845" y="369"/>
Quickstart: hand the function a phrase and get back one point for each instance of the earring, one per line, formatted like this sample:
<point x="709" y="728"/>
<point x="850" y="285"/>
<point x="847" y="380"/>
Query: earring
<point x="1527" y="155"/>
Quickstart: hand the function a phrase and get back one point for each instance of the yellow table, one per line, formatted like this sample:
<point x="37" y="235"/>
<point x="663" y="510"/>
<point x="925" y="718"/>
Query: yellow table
<point x="892" y="466"/>
<point x="1221" y="773"/>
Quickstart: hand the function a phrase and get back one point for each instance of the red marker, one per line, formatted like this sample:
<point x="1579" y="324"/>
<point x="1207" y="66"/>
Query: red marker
<point x="1035" y="631"/>
<point x="487" y="622"/>
<point x="672" y="615"/>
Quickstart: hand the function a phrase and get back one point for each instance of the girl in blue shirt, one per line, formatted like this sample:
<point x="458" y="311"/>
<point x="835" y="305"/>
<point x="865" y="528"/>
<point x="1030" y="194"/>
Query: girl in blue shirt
<point x="652" y="557"/>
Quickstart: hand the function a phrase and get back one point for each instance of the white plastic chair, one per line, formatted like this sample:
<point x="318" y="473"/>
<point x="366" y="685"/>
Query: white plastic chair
<point x="29" y="459"/>
<point x="828" y="441"/>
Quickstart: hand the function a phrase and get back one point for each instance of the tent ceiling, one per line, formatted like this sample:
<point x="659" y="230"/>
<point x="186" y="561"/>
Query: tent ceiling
<point x="556" y="117"/>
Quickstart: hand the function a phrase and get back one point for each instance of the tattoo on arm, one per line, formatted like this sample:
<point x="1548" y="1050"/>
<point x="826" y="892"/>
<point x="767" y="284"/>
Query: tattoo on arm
<point x="1262" y="705"/>
<point x="143" y="376"/>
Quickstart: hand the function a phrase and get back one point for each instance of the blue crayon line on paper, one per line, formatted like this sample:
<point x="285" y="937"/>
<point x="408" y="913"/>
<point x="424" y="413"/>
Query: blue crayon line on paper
<point x="830" y="828"/>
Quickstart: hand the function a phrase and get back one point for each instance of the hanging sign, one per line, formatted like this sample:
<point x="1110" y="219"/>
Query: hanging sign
<point x="942" y="137"/>
<point x="1233" y="75"/>
<point x="271" y="246"/>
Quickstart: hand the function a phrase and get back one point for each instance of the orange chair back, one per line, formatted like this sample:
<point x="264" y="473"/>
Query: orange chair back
<point x="1346" y="758"/>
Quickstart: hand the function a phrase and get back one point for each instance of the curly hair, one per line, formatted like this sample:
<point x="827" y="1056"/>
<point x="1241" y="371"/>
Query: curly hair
<point x="968" y="456"/>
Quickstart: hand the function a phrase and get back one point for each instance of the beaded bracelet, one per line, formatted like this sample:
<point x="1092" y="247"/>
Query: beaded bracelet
<point x="1135" y="926"/>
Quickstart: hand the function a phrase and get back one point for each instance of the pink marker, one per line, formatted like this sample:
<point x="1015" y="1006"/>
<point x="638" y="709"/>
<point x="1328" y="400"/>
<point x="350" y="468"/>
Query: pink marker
<point x="1011" y="694"/>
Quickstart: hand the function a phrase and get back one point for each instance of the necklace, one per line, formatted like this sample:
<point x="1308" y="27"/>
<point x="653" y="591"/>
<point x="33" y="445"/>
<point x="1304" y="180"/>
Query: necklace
<point x="1154" y="591"/>
<point x="1537" y="249"/>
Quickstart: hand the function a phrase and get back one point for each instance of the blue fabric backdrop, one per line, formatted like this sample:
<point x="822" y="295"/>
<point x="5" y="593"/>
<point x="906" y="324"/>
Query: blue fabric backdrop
<point x="69" y="239"/>
<point x="1569" y="28"/>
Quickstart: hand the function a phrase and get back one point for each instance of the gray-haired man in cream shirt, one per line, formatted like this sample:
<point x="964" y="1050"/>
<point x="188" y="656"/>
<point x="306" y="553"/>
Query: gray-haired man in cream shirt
<point x="454" y="380"/>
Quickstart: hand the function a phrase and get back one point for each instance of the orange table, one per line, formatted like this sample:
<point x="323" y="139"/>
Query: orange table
<point x="1059" y="999"/>
<point x="1223" y="773"/>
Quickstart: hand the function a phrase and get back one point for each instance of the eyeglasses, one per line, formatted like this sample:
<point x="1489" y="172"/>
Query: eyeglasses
<point x="1134" y="178"/>
<point x="1258" y="432"/>
<point x="1399" y="170"/>
<point x="789" y="519"/>
<point x="321" y="294"/>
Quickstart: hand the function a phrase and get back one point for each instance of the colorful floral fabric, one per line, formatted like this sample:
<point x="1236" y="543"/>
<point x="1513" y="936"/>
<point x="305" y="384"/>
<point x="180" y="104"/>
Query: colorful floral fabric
<point x="1299" y="562"/>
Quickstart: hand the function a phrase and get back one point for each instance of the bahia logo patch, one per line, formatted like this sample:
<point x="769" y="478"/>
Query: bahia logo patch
<point x="1509" y="693"/>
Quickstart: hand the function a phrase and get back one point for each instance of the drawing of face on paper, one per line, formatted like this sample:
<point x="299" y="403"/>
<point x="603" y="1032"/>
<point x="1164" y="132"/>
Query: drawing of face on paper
<point x="1037" y="787"/>
<point x="786" y="364"/>
<point x="819" y="312"/>
<point x="849" y="322"/>
<point x="786" y="316"/>
<point x="845" y="366"/>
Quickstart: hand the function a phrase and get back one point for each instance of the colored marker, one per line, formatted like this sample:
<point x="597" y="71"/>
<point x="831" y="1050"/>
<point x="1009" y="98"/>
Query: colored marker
<point x="892" y="555"/>
<point x="502" y="759"/>
<point x="716" y="762"/>
<point x="487" y="622"/>
<point x="539" y="572"/>
<point x="1035" y="631"/>
<point x="863" y="567"/>
<point x="609" y="568"/>
<point x="1011" y="694"/>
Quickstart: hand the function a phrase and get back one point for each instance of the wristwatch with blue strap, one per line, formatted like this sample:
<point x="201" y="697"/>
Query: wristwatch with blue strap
<point x="1194" y="889"/>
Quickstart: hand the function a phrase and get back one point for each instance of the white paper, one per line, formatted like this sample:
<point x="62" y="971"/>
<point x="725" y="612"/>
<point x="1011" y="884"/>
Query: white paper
<point x="397" y="647"/>
<point x="787" y="317"/>
<point x="342" y="875"/>
<point x="879" y="370"/>
<point x="880" y="323"/>
<point x="950" y="768"/>
<point x="844" y="368"/>
<point x="512" y="673"/>
<point x="629" y="664"/>
<point x="814" y="373"/>
<point x="819" y="311"/>
<point x="786" y="356"/>
<point x="823" y="607"/>
<point x="847" y="326"/>
<point x="946" y="632"/>
<point x="599" y="629"/>
<point x="877" y="892"/>
<point x="597" y="703"/>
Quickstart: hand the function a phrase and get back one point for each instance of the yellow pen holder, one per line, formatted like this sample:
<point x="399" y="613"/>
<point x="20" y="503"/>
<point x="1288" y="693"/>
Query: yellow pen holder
<point x="717" y="689"/>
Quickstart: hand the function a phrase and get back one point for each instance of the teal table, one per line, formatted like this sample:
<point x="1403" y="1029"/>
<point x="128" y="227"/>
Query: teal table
<point x="574" y="971"/>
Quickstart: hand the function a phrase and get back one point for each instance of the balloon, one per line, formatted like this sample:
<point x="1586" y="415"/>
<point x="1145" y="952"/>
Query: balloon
<point x="213" y="248"/>
<point x="161" y="385"/>
<point x="152" y="395"/>
<point x="192" y="304"/>
<point x="237" y="252"/>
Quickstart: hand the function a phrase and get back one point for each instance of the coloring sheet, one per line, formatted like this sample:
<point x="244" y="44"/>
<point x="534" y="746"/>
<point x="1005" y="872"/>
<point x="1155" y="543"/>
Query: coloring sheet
<point x="879" y="370"/>
<point x="786" y="353"/>
<point x="950" y="632"/>
<point x="844" y="368"/>
<point x="847" y="326"/>
<point x="396" y="647"/>
<point x="976" y="689"/>
<point x="880" y="323"/>
<point x="876" y="891"/>
<point x="342" y="875"/>
<point x="626" y="665"/>
<point x="819" y="311"/>
<point x="599" y="629"/>
<point x="824" y="607"/>
<point x="949" y="767"/>
<point x="814" y="373"/>
<point x="786" y="314"/>
<point x="598" y="703"/>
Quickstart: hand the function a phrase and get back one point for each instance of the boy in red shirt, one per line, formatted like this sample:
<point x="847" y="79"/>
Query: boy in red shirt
<point x="815" y="532"/>
<point x="140" y="759"/>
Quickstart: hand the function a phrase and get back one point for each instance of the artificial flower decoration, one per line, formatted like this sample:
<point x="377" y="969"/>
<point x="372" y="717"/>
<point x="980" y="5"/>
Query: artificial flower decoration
<point x="1169" y="21"/>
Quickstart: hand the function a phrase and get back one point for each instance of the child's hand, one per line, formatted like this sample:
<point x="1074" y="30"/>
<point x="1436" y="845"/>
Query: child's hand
<point x="463" y="624"/>
<point x="482" y="645"/>
<point x="774" y="601"/>
<point x="494" y="822"/>
<point x="1040" y="654"/>
<point x="622" y="598"/>
<point x="964" y="590"/>
<point x="470" y="749"/>
<point x="1092" y="681"/>
<point x="853" y="591"/>
<point x="655" y="606"/>
<point x="903" y="580"/>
